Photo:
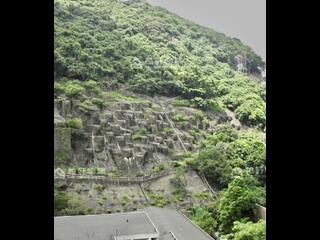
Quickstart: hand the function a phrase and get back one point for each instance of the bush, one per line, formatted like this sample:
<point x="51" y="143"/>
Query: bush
<point x="158" y="200"/>
<point x="58" y="88"/>
<point x="98" y="101"/>
<point x="202" y="217"/>
<point x="180" y="118"/>
<point x="60" y="201"/>
<point x="168" y="130"/>
<point x="224" y="133"/>
<point x="239" y="201"/>
<point x="92" y="87"/>
<point x="248" y="230"/>
<point x="76" y="126"/>
<point x="181" y="102"/>
<point x="214" y="164"/>
<point x="73" y="89"/>
<point x="253" y="113"/>
<point x="141" y="132"/>
<point x="75" y="123"/>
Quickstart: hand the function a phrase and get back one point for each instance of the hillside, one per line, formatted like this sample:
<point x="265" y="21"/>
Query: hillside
<point x="154" y="52"/>
<point x="150" y="110"/>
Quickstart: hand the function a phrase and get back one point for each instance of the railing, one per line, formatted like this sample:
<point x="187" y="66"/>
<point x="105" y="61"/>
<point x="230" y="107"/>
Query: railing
<point x="117" y="179"/>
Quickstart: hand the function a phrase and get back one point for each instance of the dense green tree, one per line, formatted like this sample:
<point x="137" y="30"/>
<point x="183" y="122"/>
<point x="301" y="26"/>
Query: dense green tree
<point x="202" y="217"/>
<point x="252" y="112"/>
<point x="239" y="201"/>
<point x="244" y="150"/>
<point x="155" y="53"/>
<point x="249" y="152"/>
<point x="248" y="231"/>
<point x="225" y="133"/>
<point x="214" y="164"/>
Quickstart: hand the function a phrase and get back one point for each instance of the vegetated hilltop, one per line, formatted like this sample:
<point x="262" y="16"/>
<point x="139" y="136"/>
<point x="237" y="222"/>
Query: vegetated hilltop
<point x="140" y="91"/>
<point x="154" y="52"/>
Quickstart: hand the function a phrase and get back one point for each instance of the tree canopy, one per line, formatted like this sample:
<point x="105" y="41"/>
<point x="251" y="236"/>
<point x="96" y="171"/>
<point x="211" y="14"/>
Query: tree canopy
<point x="153" y="51"/>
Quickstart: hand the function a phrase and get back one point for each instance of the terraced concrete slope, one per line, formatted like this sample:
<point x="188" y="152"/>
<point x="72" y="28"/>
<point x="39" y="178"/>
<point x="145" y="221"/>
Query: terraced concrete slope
<point x="135" y="138"/>
<point x="132" y="137"/>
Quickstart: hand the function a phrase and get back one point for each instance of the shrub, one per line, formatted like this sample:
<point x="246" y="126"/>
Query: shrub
<point x="76" y="126"/>
<point x="75" y="123"/>
<point x="158" y="200"/>
<point x="60" y="201"/>
<point x="214" y="164"/>
<point x="239" y="201"/>
<point x="180" y="118"/>
<point x="92" y="86"/>
<point x="168" y="130"/>
<point x="248" y="230"/>
<point x="98" y="101"/>
<point x="73" y="89"/>
<point x="58" y="88"/>
<point x="202" y="217"/>
<point x="252" y="112"/>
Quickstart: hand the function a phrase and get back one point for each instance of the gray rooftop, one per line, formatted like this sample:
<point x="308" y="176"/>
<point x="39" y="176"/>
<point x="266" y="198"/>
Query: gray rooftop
<point x="170" y="220"/>
<point x="102" y="227"/>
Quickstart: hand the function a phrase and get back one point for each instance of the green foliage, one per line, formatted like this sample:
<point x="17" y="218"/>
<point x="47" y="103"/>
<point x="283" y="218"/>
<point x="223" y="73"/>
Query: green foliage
<point x="158" y="168"/>
<point x="99" y="187"/>
<point x="235" y="149"/>
<point x="168" y="130"/>
<point x="214" y="164"/>
<point x="239" y="200"/>
<point x="158" y="200"/>
<point x="202" y="217"/>
<point x="156" y="53"/>
<point x="206" y="104"/>
<point x="180" y="118"/>
<point x="87" y="105"/>
<point x="60" y="201"/>
<point x="73" y="89"/>
<point x="58" y="88"/>
<point x="248" y="231"/>
<point x="244" y="97"/>
<point x="74" y="201"/>
<point x="179" y="102"/>
<point x="249" y="152"/>
<point x="76" y="126"/>
<point x="141" y="132"/>
<point x="201" y="195"/>
<point x="70" y="88"/>
<point x="75" y="123"/>
<point x="253" y="113"/>
<point x="98" y="102"/>
<point x="92" y="86"/>
<point x="224" y="133"/>
<point x="124" y="200"/>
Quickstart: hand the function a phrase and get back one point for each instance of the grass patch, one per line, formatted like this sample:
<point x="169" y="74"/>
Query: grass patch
<point x="180" y="118"/>
<point x="158" y="200"/>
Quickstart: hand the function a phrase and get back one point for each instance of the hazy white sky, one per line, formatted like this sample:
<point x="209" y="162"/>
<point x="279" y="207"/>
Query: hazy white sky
<point x="243" y="19"/>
